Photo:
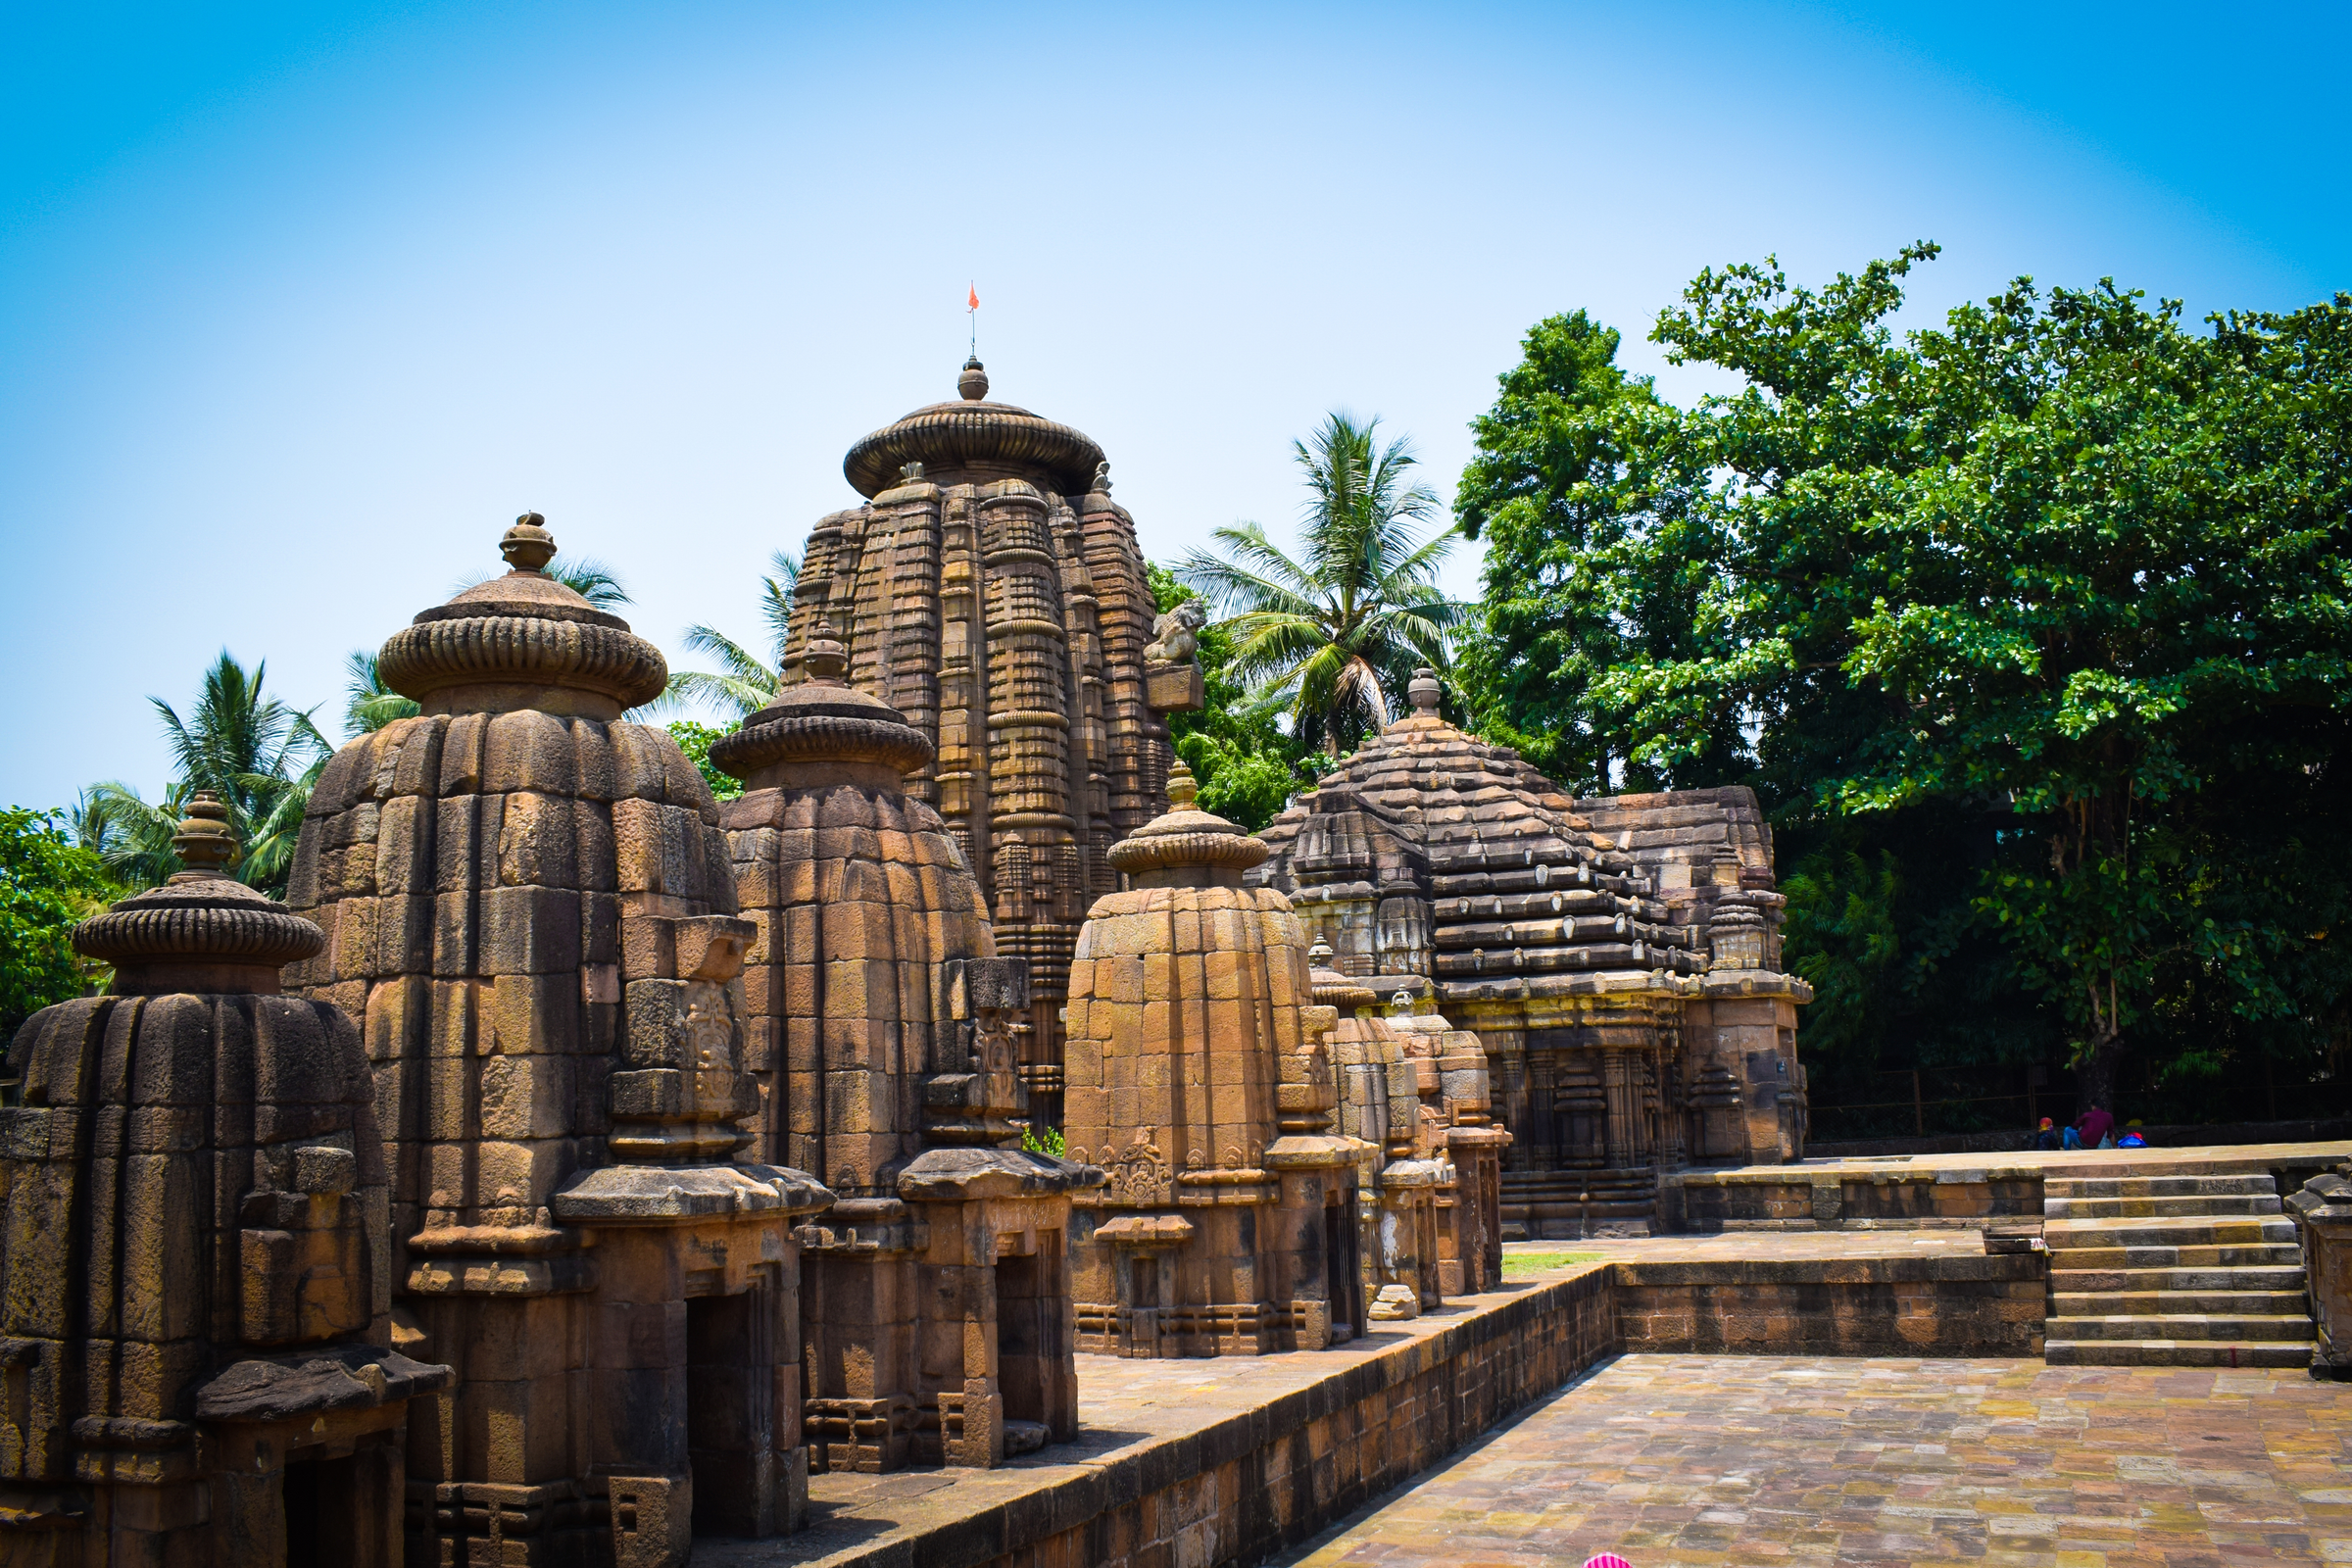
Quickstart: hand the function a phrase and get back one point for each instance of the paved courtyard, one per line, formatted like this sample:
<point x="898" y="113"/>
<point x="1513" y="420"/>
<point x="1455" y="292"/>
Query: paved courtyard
<point x="1742" y="1460"/>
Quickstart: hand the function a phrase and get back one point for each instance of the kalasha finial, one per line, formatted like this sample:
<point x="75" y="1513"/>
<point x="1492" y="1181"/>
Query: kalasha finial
<point x="205" y="846"/>
<point x="1424" y="691"/>
<point x="1181" y="788"/>
<point x="1319" y="955"/>
<point x="825" y="658"/>
<point x="528" y="546"/>
<point x="973" y="382"/>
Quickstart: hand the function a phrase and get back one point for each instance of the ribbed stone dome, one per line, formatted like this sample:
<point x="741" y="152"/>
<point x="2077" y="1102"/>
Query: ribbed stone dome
<point x="974" y="440"/>
<point x="524" y="629"/>
<point x="202" y="919"/>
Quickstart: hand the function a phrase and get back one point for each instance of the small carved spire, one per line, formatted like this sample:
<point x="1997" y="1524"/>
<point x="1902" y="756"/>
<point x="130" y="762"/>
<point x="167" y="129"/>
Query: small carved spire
<point x="528" y="546"/>
<point x="1319" y="955"/>
<point x="205" y="846"/>
<point x="1181" y="788"/>
<point x="1424" y="691"/>
<point x="973" y="382"/>
<point x="826" y="660"/>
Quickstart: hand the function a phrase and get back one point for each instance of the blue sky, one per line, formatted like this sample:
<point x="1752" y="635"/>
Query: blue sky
<point x="299" y="304"/>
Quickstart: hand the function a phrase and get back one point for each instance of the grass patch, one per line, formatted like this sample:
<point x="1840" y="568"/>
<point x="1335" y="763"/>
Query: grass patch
<point x="1520" y="1263"/>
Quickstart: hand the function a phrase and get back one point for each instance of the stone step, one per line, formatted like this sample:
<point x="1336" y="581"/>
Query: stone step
<point x="2251" y="1184"/>
<point x="2160" y="1208"/>
<point x="2285" y="1276"/>
<point x="2180" y="1326"/>
<point x="2265" y="1255"/>
<point x="2075" y="1235"/>
<point x="2166" y="1303"/>
<point x="2174" y="1353"/>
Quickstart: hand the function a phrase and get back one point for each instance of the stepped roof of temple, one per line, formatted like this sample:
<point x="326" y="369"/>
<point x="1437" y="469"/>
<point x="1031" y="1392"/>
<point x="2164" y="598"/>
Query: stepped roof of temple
<point x="973" y="440"/>
<point x="1518" y="883"/>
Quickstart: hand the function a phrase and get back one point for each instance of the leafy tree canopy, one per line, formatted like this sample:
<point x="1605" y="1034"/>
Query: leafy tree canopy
<point x="694" y="741"/>
<point x="2047" y="603"/>
<point x="48" y="883"/>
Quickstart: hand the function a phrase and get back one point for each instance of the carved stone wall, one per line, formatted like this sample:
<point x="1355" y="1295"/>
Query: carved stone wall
<point x="992" y="592"/>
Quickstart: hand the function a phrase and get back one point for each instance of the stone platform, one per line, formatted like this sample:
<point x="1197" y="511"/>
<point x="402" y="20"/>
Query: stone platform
<point x="1235" y="1459"/>
<point x="1961" y="1191"/>
<point x="1678" y="1461"/>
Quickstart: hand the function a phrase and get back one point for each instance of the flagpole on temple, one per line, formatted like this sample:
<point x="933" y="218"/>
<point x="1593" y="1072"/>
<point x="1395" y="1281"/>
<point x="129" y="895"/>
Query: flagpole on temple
<point x="973" y="307"/>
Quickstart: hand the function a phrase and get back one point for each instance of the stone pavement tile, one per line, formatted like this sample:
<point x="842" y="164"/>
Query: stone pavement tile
<point x="1675" y="1461"/>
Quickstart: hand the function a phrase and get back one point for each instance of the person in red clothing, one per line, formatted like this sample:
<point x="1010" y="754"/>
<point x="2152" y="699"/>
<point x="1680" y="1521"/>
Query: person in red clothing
<point x="2094" y="1126"/>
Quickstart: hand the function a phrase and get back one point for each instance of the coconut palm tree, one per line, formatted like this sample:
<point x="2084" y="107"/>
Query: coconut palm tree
<point x="1340" y="627"/>
<point x="368" y="705"/>
<point x="261" y="757"/>
<point x="745" y="681"/>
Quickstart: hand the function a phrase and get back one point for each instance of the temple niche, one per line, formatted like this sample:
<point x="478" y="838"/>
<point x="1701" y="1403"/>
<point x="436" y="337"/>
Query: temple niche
<point x="1619" y="978"/>
<point x="195" y="1289"/>
<point x="991" y="591"/>
<point x="1199" y="1081"/>
<point x="934" y="1293"/>
<point x="528" y="901"/>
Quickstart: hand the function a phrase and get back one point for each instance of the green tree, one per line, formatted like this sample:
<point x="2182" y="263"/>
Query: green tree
<point x="694" y="741"/>
<point x="1339" y="628"/>
<point x="1587" y="496"/>
<point x="1246" y="765"/>
<point x="48" y="883"/>
<point x="2059" y="591"/>
<point x="261" y="757"/>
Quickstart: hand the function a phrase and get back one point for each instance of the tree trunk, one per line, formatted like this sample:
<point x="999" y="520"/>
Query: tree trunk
<point x="2095" y="1078"/>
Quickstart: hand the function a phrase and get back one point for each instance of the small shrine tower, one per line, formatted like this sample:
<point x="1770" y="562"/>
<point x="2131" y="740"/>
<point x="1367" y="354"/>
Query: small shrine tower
<point x="1200" y="1080"/>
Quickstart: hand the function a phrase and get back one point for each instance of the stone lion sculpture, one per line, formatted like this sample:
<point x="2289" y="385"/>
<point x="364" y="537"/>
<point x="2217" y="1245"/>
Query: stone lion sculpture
<point x="1176" y="635"/>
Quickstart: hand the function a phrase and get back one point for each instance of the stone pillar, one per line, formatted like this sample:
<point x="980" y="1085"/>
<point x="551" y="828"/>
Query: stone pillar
<point x="1617" y="1084"/>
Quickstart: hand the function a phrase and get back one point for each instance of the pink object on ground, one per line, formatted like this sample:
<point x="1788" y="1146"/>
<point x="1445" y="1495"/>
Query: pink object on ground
<point x="1606" y="1559"/>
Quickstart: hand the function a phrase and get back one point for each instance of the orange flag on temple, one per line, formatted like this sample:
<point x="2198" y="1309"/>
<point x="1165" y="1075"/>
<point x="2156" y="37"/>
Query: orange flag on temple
<point x="975" y="300"/>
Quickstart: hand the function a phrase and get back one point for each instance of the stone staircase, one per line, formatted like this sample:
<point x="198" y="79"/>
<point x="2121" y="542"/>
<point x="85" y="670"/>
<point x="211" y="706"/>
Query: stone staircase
<point x="2173" y="1271"/>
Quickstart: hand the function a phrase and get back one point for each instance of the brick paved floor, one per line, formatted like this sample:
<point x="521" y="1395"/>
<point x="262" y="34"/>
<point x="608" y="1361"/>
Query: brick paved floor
<point x="1743" y="1461"/>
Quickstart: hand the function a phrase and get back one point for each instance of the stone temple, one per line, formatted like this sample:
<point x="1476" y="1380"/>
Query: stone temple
<point x="992" y="592"/>
<point x="1616" y="958"/>
<point x="529" y="903"/>
<point x="1199" y="1081"/>
<point x="936" y="1291"/>
<point x="195" y="1287"/>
